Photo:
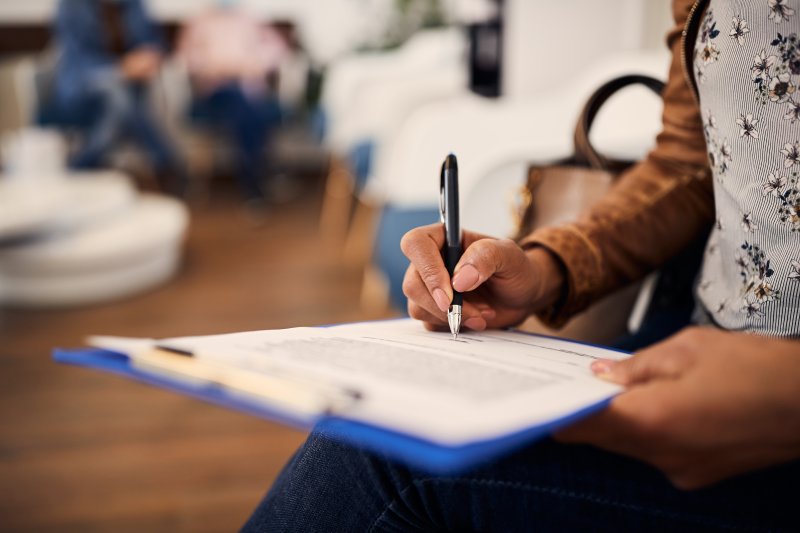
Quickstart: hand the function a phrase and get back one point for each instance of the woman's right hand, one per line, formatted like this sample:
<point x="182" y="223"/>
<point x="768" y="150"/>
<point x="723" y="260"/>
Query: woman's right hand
<point x="502" y="283"/>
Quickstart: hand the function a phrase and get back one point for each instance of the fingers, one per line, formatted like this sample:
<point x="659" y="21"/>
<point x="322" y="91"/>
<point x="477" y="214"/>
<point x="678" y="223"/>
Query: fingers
<point x="428" y="286"/>
<point x="633" y="419"/>
<point x="421" y="305"/>
<point x="423" y="247"/>
<point x="417" y="293"/>
<point x="418" y="312"/>
<point x="641" y="368"/>
<point x="482" y="259"/>
<point x="486" y="258"/>
<point x="589" y="430"/>
<point x="668" y="359"/>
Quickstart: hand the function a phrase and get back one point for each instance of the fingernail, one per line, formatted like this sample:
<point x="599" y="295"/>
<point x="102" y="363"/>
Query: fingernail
<point x="488" y="314"/>
<point x="441" y="299"/>
<point x="602" y="367"/>
<point x="466" y="278"/>
<point x="475" y="323"/>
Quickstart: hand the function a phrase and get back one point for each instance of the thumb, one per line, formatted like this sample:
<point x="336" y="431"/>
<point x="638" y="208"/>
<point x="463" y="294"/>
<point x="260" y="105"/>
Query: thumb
<point x="486" y="258"/>
<point x="649" y="365"/>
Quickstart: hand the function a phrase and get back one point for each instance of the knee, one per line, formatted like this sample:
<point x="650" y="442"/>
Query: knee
<point x="321" y="453"/>
<point x="326" y="486"/>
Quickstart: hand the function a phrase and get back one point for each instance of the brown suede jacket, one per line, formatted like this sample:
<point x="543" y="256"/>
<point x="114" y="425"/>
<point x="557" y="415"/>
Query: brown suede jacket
<point x="656" y="208"/>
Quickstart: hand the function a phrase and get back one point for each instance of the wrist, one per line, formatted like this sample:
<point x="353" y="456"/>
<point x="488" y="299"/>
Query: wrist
<point x="550" y="275"/>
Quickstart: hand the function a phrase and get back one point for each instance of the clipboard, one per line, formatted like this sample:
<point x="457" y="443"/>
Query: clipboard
<point x="413" y="451"/>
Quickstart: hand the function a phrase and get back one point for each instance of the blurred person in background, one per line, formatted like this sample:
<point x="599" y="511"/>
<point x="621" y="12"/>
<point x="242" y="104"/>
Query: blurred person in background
<point x="231" y="58"/>
<point x="109" y="51"/>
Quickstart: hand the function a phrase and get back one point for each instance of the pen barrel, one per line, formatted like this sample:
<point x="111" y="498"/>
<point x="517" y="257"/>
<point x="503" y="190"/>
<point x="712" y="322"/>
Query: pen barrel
<point x="451" y="256"/>
<point x="451" y="213"/>
<point x="458" y="299"/>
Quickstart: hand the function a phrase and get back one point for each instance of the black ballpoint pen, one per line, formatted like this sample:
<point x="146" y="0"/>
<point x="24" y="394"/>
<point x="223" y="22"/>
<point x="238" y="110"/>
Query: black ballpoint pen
<point x="448" y="207"/>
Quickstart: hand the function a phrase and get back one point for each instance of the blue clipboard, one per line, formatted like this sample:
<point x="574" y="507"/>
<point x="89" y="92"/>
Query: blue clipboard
<point x="415" y="452"/>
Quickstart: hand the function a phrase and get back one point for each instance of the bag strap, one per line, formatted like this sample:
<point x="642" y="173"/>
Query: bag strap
<point x="585" y="154"/>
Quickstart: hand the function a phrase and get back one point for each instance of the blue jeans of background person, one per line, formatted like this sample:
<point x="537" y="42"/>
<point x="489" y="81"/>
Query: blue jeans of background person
<point x="329" y="486"/>
<point x="120" y="109"/>
<point x="249" y="121"/>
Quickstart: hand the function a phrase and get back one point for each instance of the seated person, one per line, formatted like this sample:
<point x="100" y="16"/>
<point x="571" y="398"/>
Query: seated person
<point x="230" y="55"/>
<point x="716" y="406"/>
<point x="108" y="52"/>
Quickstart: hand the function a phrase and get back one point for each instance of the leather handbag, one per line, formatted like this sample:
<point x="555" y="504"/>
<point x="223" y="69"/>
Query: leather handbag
<point x="560" y="192"/>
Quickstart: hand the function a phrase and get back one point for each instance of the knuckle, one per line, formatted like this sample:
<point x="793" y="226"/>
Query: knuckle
<point x="633" y="369"/>
<point x="409" y="240"/>
<point x="507" y="244"/>
<point x="687" y="343"/>
<point x="485" y="252"/>
<point x="488" y="248"/>
<point x="691" y="336"/>
<point x="656" y="421"/>
<point x="511" y="250"/>
<point x="429" y="274"/>
<point x="676" y="363"/>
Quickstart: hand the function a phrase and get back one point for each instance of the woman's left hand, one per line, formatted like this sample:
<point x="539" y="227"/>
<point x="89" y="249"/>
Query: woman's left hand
<point x="702" y="406"/>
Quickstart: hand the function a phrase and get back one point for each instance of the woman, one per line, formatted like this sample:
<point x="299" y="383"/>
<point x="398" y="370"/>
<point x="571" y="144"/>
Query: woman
<point x="714" y="407"/>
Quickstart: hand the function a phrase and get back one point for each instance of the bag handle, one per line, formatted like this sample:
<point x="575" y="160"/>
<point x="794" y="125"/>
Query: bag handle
<point x="585" y="154"/>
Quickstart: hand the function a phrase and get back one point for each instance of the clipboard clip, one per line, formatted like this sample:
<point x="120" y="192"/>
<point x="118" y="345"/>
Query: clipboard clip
<point x="292" y="393"/>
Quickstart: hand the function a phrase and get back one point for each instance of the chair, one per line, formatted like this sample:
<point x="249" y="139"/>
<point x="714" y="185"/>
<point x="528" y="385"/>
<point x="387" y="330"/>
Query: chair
<point x="103" y="242"/>
<point x="496" y="140"/>
<point x="366" y="98"/>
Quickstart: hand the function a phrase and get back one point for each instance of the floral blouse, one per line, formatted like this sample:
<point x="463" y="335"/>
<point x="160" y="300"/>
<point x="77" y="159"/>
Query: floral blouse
<point x="747" y="68"/>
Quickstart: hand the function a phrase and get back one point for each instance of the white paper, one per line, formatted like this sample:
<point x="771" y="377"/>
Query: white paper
<point x="482" y="386"/>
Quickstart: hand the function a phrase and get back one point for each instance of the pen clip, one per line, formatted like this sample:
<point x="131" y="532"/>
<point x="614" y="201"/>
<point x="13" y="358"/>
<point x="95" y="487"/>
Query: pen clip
<point x="442" y="203"/>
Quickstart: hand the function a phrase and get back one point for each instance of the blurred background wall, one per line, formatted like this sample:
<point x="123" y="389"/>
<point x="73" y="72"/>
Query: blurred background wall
<point x="334" y="27"/>
<point x="593" y="29"/>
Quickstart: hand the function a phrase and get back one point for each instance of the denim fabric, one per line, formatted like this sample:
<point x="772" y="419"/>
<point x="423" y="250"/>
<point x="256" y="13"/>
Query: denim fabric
<point x="249" y="122"/>
<point x="82" y="43"/>
<point x="121" y="110"/>
<point x="332" y="487"/>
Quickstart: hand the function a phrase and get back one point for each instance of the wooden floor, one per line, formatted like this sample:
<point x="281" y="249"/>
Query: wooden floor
<point x="85" y="451"/>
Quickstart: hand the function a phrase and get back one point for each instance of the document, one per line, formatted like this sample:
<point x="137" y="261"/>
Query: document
<point x="408" y="380"/>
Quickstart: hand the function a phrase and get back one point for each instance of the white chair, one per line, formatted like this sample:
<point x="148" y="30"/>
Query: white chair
<point x="366" y="99"/>
<point x="352" y="78"/>
<point x="102" y="242"/>
<point x="31" y="206"/>
<point x="491" y="134"/>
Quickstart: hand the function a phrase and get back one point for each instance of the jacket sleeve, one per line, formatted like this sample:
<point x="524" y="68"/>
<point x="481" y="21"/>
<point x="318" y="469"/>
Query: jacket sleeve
<point x="145" y="30"/>
<point x="81" y="51"/>
<point x="654" y="210"/>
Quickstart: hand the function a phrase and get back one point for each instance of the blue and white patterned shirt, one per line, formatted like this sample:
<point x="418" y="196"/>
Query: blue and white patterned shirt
<point x="747" y="69"/>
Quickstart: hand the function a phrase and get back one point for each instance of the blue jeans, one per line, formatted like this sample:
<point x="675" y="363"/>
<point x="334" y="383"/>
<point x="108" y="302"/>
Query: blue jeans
<point x="329" y="486"/>
<point x="120" y="109"/>
<point x="249" y="122"/>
